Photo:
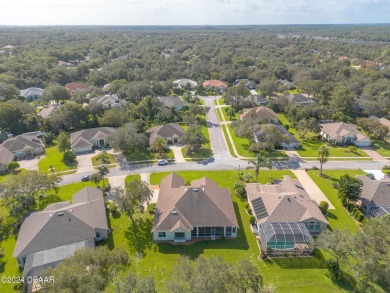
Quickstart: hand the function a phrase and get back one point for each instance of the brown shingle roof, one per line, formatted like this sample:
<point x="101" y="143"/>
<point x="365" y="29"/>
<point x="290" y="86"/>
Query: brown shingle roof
<point x="6" y="156"/>
<point x="285" y="201"/>
<point x="259" y="113"/>
<point x="338" y="130"/>
<point x="63" y="223"/>
<point x="76" y="86"/>
<point x="165" y="131"/>
<point x="23" y="142"/>
<point x="385" y="122"/>
<point x="46" y="112"/>
<point x="201" y="204"/>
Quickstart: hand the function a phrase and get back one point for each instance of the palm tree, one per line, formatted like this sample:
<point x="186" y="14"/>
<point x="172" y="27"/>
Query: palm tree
<point x="323" y="155"/>
<point x="159" y="145"/>
<point x="103" y="171"/>
<point x="259" y="162"/>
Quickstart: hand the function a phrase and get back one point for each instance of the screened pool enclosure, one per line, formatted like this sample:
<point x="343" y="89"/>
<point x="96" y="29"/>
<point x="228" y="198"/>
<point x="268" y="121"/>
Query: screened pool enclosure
<point x="284" y="237"/>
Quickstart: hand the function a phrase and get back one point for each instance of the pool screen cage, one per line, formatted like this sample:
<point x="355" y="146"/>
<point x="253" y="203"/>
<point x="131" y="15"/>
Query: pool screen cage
<point x="379" y="212"/>
<point x="281" y="238"/>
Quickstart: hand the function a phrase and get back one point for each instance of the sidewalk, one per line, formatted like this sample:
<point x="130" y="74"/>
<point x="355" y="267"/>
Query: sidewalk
<point x="311" y="188"/>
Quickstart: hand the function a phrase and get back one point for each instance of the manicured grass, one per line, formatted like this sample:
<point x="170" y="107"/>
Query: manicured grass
<point x="205" y="151"/>
<point x="54" y="158"/>
<point x="286" y="274"/>
<point x="227" y="139"/>
<point x="242" y="146"/>
<point x="219" y="114"/>
<point x="131" y="178"/>
<point x="339" y="218"/>
<point x="382" y="147"/>
<point x="96" y="160"/>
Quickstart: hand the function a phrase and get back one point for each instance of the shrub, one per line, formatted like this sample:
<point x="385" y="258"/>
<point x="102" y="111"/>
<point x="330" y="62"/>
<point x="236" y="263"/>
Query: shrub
<point x="112" y="208"/>
<point x="69" y="157"/>
<point x="239" y="188"/>
<point x="287" y="126"/>
<point x="335" y="185"/>
<point x="360" y="217"/>
<point x="252" y="220"/>
<point x="249" y="210"/>
<point x="386" y="167"/>
<point x="323" y="206"/>
<point x="247" y="205"/>
<point x="333" y="269"/>
<point x="12" y="166"/>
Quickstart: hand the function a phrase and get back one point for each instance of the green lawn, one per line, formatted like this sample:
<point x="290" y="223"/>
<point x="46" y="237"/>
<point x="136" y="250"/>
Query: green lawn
<point x="286" y="274"/>
<point x="382" y="147"/>
<point x="338" y="218"/>
<point x="131" y="178"/>
<point x="96" y="160"/>
<point x="229" y="144"/>
<point x="226" y="116"/>
<point x="54" y="158"/>
<point x="242" y="146"/>
<point x="205" y="151"/>
<point x="219" y="114"/>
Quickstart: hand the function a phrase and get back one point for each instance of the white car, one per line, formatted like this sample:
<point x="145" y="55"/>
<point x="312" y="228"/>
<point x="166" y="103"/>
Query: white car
<point x="162" y="162"/>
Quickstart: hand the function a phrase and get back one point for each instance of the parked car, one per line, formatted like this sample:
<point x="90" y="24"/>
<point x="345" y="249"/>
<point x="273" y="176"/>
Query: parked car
<point x="85" y="178"/>
<point x="162" y="162"/>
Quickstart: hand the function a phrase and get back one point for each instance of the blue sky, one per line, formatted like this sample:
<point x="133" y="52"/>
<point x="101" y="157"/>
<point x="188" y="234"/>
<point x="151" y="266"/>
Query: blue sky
<point x="191" y="12"/>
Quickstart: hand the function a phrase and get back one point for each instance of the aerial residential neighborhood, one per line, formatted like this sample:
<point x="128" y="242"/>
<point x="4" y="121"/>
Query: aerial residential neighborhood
<point x="194" y="158"/>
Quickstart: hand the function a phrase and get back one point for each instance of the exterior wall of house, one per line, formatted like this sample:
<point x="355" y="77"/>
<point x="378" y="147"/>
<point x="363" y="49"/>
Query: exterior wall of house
<point x="101" y="234"/>
<point x="82" y="150"/>
<point x="363" y="143"/>
<point x="314" y="226"/>
<point x="38" y="151"/>
<point x="167" y="235"/>
<point x="290" y="145"/>
<point x="3" y="167"/>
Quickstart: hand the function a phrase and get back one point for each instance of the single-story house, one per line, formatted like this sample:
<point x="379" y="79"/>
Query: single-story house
<point x="289" y="143"/>
<point x="24" y="145"/>
<point x="109" y="101"/>
<point x="171" y="132"/>
<point x="257" y="100"/>
<point x="84" y="140"/>
<point x="247" y="82"/>
<point x="46" y="112"/>
<point x="6" y="157"/>
<point x="185" y="83"/>
<point x="260" y="114"/>
<point x="299" y="99"/>
<point x="215" y="85"/>
<point x="289" y="85"/>
<point x="285" y="214"/>
<point x="76" y="86"/>
<point x="375" y="199"/>
<point x="201" y="210"/>
<point x="31" y="93"/>
<point x="172" y="102"/>
<point x="55" y="233"/>
<point x="341" y="133"/>
<point x="385" y="122"/>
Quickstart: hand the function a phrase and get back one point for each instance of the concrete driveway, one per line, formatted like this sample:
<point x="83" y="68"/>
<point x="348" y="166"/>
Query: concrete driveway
<point x="179" y="158"/>
<point x="373" y="154"/>
<point x="30" y="164"/>
<point x="311" y="188"/>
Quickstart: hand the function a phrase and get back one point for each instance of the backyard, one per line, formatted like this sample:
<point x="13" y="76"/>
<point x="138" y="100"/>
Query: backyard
<point x="156" y="260"/>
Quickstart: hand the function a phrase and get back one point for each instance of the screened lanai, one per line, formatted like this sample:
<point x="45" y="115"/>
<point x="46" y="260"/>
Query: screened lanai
<point x="284" y="237"/>
<point x="379" y="212"/>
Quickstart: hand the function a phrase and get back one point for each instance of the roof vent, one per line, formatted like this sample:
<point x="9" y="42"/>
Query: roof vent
<point x="174" y="212"/>
<point x="71" y="210"/>
<point x="195" y="189"/>
<point x="289" y="199"/>
<point x="60" y="214"/>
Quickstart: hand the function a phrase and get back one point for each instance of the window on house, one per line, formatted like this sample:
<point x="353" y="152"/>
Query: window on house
<point x="161" y="235"/>
<point x="228" y="231"/>
<point x="97" y="234"/>
<point x="234" y="230"/>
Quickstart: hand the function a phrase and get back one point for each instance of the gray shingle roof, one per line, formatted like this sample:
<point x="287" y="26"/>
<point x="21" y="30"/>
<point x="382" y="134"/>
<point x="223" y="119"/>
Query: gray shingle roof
<point x="201" y="204"/>
<point x="375" y="192"/>
<point x="31" y="91"/>
<point x="259" y="113"/>
<point x="84" y="137"/>
<point x="109" y="101"/>
<point x="46" y="112"/>
<point x="165" y="131"/>
<point x="63" y="223"/>
<point x="6" y="156"/>
<point x="299" y="99"/>
<point x="23" y="142"/>
<point x="172" y="102"/>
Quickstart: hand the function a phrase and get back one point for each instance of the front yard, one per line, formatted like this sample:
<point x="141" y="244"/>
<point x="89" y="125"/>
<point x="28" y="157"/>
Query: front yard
<point x="143" y="155"/>
<point x="97" y="160"/>
<point x="286" y="274"/>
<point x="242" y="146"/>
<point x="205" y="151"/>
<point x="382" y="147"/>
<point x="54" y="159"/>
